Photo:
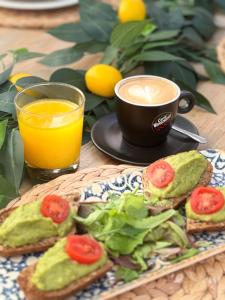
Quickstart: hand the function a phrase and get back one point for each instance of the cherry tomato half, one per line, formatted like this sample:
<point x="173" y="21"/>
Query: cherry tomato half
<point x="83" y="249"/>
<point x="206" y="200"/>
<point x="55" y="207"/>
<point x="160" y="173"/>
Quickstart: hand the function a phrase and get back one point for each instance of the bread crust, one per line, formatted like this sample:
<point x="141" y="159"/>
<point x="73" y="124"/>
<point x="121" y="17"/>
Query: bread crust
<point x="37" y="247"/>
<point x="204" y="181"/>
<point x="32" y="293"/>
<point x="194" y="226"/>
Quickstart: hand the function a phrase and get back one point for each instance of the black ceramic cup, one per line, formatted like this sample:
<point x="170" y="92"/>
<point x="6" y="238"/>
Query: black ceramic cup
<point x="149" y="125"/>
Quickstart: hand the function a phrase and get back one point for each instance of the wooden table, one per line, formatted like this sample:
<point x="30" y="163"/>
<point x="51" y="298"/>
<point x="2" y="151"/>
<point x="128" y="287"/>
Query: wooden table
<point x="211" y="126"/>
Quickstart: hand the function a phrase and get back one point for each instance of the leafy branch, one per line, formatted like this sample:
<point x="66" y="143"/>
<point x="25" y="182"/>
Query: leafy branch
<point x="165" y="44"/>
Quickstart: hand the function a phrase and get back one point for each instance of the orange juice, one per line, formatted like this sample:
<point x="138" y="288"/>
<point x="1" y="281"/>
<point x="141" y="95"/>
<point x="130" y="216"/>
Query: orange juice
<point x="51" y="130"/>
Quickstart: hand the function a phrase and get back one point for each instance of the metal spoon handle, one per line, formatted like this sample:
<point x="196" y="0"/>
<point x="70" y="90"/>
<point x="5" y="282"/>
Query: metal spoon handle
<point x="194" y="136"/>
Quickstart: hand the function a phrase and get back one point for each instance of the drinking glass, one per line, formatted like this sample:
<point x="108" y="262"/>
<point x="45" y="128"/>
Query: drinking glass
<point x="50" y="117"/>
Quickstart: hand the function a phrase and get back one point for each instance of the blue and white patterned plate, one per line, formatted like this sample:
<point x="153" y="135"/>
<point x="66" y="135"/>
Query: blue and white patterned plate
<point x="108" y="286"/>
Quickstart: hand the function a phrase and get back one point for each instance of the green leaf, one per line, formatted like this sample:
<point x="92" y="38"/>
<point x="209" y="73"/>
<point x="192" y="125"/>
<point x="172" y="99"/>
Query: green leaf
<point x="129" y="65"/>
<point x="97" y="19"/>
<point x="5" y="74"/>
<point x="159" y="44"/>
<point x="7" y="101"/>
<point x="187" y="254"/>
<point x="70" y="76"/>
<point x="200" y="100"/>
<point x="71" y="32"/>
<point x="207" y="4"/>
<point x="3" y="126"/>
<point x="23" y="54"/>
<point x="174" y="70"/>
<point x="203" y="23"/>
<point x="211" y="54"/>
<point x="90" y="120"/>
<point x="124" y="244"/>
<point x="153" y="221"/>
<point x="135" y="206"/>
<point x="86" y="137"/>
<point x="175" y="18"/>
<point x="163" y="35"/>
<point x="62" y="57"/>
<point x="149" y="28"/>
<point x="214" y="71"/>
<point x="12" y="159"/>
<point x="91" y="47"/>
<point x="92" y="218"/>
<point x="110" y="55"/>
<point x="192" y="39"/>
<point x="129" y="52"/>
<point x="157" y="14"/>
<point x="125" y="34"/>
<point x="7" y="192"/>
<point x="220" y="3"/>
<point x="29" y="80"/>
<point x="142" y="253"/>
<point x="111" y="104"/>
<point x="156" y="56"/>
<point x="126" y="274"/>
<point x="101" y="110"/>
<point x="5" y="86"/>
<point x="178" y="235"/>
<point x="92" y="101"/>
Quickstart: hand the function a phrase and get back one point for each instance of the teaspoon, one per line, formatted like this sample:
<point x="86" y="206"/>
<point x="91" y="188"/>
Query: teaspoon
<point x="194" y="136"/>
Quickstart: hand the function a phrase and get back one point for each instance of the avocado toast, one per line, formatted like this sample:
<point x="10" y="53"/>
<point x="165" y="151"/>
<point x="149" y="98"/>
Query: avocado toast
<point x="169" y="181"/>
<point x="205" y="210"/>
<point x="69" y="266"/>
<point x="35" y="226"/>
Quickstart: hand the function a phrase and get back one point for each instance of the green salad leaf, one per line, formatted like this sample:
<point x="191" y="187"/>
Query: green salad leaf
<point x="187" y="254"/>
<point x="126" y="274"/>
<point x="124" y="226"/>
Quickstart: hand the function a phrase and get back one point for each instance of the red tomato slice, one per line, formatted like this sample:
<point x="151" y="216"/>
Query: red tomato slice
<point x="83" y="249"/>
<point x="56" y="208"/>
<point x="206" y="200"/>
<point x="160" y="173"/>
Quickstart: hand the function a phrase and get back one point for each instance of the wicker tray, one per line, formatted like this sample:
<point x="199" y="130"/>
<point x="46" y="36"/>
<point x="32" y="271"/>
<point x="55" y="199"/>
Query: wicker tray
<point x="37" y="19"/>
<point x="203" y="281"/>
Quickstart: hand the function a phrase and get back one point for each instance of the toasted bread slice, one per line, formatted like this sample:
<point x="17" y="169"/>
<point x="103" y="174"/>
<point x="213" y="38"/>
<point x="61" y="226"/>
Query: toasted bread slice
<point x="37" y="247"/>
<point x="175" y="202"/>
<point x="194" y="226"/>
<point x="32" y="293"/>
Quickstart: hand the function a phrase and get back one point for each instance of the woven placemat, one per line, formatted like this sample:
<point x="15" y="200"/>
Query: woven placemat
<point x="203" y="281"/>
<point x="37" y="19"/>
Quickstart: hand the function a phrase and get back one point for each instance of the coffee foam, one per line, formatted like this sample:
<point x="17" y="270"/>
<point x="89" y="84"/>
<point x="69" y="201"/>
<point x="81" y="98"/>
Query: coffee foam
<point x="148" y="91"/>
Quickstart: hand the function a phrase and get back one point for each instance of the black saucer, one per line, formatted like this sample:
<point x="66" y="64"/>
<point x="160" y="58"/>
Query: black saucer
<point x="107" y="137"/>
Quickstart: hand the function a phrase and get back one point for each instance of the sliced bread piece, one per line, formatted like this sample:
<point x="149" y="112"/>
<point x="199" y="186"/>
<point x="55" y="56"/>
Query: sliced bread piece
<point x="37" y="247"/>
<point x="175" y="202"/>
<point x="194" y="226"/>
<point x="32" y="293"/>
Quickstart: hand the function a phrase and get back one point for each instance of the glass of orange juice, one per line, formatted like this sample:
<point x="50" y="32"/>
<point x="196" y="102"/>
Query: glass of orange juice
<point x="50" y="117"/>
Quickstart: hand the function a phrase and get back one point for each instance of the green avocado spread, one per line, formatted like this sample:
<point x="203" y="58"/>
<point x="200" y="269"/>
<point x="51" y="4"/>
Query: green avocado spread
<point x="188" y="168"/>
<point x="56" y="270"/>
<point x="26" y="225"/>
<point x="214" y="217"/>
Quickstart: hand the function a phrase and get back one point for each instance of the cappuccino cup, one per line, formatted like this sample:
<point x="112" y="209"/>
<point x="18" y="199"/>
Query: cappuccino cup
<point x="147" y="106"/>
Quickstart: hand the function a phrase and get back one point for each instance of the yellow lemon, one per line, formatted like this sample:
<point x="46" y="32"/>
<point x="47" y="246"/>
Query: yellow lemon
<point x="14" y="78"/>
<point x="101" y="79"/>
<point x="131" y="10"/>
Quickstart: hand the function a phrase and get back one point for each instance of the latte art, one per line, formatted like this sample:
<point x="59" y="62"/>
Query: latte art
<point x="148" y="91"/>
